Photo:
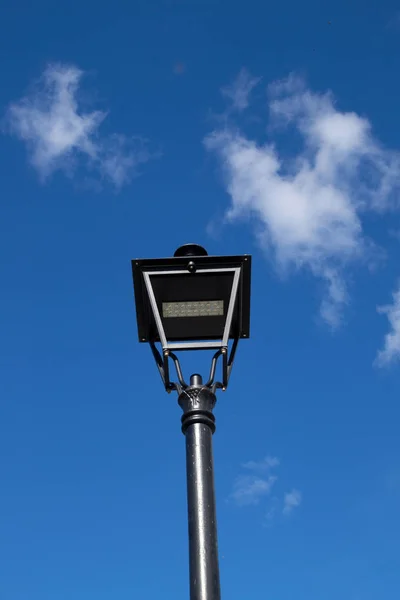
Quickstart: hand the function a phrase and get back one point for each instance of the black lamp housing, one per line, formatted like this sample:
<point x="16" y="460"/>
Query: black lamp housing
<point x="192" y="301"/>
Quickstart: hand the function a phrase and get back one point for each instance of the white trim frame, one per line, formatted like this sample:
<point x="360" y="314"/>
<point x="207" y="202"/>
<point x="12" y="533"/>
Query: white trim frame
<point x="193" y="345"/>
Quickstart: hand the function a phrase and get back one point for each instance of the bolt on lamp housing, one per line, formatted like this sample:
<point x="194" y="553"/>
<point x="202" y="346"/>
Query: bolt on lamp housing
<point x="192" y="301"/>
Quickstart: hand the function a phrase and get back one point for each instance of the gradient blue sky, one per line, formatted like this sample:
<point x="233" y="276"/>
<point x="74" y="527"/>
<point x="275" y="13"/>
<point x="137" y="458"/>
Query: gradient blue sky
<point x="129" y="128"/>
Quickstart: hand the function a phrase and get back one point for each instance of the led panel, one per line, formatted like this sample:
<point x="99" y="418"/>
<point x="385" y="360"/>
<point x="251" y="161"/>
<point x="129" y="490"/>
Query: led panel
<point x="203" y="308"/>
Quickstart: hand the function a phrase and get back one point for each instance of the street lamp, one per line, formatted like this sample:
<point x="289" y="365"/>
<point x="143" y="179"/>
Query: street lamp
<point x="193" y="301"/>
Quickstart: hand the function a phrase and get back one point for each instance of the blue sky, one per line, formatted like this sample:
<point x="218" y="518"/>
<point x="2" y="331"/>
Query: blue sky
<point x="127" y="130"/>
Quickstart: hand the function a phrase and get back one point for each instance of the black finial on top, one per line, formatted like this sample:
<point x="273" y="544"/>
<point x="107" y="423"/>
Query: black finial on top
<point x="190" y="250"/>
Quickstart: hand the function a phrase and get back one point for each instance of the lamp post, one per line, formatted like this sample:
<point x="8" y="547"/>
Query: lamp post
<point x="193" y="301"/>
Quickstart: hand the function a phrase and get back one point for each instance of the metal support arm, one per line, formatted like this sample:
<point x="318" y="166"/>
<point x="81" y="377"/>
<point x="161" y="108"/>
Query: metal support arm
<point x="162" y="362"/>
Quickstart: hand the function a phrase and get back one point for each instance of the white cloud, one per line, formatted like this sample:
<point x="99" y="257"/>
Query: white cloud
<point x="269" y="462"/>
<point x="257" y="484"/>
<point x="291" y="500"/>
<point x="391" y="347"/>
<point x="309" y="206"/>
<point x="239" y="91"/>
<point x="249" y="489"/>
<point x="58" y="134"/>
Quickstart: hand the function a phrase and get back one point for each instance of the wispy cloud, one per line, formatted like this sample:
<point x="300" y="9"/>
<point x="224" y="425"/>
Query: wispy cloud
<point x="238" y="92"/>
<point x="60" y="136"/>
<point x="256" y="484"/>
<point x="309" y="207"/>
<point x="390" y="352"/>
<point x="265" y="464"/>
<point x="250" y="488"/>
<point x="272" y="511"/>
<point x="291" y="500"/>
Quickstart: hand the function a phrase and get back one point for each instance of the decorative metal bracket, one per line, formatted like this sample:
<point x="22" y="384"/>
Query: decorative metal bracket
<point x="162" y="362"/>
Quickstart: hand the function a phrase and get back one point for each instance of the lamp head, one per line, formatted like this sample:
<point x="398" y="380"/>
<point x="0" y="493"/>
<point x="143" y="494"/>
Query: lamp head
<point x="193" y="301"/>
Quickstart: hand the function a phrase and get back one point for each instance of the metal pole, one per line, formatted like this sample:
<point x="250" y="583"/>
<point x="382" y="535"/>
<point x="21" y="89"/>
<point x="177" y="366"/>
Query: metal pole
<point x="198" y="425"/>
